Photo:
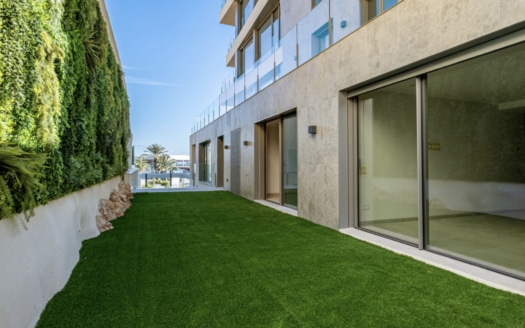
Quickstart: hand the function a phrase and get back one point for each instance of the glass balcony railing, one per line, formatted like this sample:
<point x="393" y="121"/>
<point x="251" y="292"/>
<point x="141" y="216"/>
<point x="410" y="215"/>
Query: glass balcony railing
<point x="327" y="23"/>
<point x="266" y="70"/>
<point x="250" y="82"/>
<point x="313" y="32"/>
<point x="239" y="90"/>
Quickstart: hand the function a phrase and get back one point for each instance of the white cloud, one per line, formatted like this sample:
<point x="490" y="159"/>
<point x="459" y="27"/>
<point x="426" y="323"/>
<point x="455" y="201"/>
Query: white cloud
<point x="139" y="80"/>
<point x="130" y="68"/>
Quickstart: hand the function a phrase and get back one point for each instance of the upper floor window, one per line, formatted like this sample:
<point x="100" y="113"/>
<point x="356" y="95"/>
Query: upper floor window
<point x="245" y="9"/>
<point x="268" y="34"/>
<point x="320" y="39"/>
<point x="246" y="58"/>
<point x="373" y="8"/>
<point x="265" y="38"/>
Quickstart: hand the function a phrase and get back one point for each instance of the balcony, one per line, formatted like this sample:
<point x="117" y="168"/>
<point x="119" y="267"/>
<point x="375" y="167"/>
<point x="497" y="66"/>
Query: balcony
<point x="327" y="23"/>
<point x="248" y="26"/>
<point x="227" y="13"/>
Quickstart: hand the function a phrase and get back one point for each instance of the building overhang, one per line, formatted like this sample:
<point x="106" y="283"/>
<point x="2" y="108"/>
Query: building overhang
<point x="227" y="14"/>
<point x="246" y="30"/>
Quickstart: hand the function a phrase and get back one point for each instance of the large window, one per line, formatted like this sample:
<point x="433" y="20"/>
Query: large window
<point x="476" y="159"/>
<point x="265" y="38"/>
<point x="246" y="7"/>
<point x="463" y="193"/>
<point x="268" y="34"/>
<point x="246" y="58"/>
<point x="290" y="161"/>
<point x="388" y="161"/>
<point x="281" y="161"/>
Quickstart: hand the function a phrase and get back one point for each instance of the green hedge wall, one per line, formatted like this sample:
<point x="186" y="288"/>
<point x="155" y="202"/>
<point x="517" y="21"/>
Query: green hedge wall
<point x="61" y="96"/>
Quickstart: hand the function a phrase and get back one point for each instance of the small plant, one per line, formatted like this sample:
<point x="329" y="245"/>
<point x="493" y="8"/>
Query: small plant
<point x="19" y="180"/>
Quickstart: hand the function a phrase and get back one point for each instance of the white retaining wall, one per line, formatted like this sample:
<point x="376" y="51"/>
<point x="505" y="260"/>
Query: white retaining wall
<point x="37" y="260"/>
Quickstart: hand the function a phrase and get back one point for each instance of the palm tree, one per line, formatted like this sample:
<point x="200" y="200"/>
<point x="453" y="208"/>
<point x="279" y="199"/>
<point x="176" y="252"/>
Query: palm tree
<point x="156" y="151"/>
<point x="141" y="163"/>
<point x="165" y="163"/>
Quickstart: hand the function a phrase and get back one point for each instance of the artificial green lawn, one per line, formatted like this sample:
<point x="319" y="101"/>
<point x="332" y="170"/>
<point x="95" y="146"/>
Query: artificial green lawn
<point x="213" y="259"/>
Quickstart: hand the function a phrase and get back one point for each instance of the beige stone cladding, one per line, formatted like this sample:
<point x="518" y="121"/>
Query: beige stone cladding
<point x="412" y="33"/>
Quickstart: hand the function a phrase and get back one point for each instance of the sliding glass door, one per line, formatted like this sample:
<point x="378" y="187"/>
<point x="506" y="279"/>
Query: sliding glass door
<point x="476" y="159"/>
<point x="388" y="161"/>
<point x="290" y="161"/>
<point x="463" y="193"/>
<point x="281" y="161"/>
<point x="205" y="162"/>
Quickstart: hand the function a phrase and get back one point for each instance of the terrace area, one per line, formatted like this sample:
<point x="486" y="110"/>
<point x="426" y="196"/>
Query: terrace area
<point x="214" y="259"/>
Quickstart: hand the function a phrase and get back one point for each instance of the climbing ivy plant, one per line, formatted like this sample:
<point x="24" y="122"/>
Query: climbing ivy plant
<point x="63" y="102"/>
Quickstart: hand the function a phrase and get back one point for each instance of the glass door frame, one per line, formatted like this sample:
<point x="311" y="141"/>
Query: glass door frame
<point x="352" y="141"/>
<point x="421" y="153"/>
<point x="279" y="121"/>
<point x="285" y="161"/>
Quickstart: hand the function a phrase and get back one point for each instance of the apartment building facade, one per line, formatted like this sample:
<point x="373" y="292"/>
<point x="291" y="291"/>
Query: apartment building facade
<point x="402" y="118"/>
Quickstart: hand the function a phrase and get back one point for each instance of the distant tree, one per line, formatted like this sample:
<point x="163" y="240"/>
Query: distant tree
<point x="141" y="163"/>
<point x="156" y="151"/>
<point x="165" y="163"/>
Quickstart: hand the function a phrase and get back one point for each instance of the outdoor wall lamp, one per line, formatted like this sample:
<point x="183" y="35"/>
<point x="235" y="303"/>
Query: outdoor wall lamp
<point x="312" y="129"/>
<point x="226" y="147"/>
<point x="246" y="143"/>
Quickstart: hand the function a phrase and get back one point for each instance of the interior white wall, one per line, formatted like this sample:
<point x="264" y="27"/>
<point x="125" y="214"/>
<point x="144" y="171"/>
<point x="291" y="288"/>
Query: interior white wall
<point x="501" y="198"/>
<point x="38" y="257"/>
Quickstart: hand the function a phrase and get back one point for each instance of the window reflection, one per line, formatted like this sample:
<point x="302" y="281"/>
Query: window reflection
<point x="290" y="161"/>
<point x="388" y="189"/>
<point x="475" y="155"/>
<point x="476" y="159"/>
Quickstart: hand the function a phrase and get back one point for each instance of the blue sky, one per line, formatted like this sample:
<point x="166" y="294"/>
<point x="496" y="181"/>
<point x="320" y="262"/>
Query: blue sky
<point x="174" y="58"/>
